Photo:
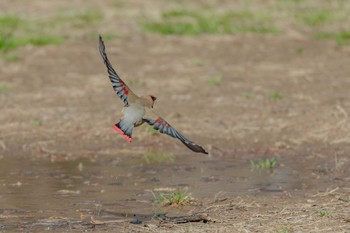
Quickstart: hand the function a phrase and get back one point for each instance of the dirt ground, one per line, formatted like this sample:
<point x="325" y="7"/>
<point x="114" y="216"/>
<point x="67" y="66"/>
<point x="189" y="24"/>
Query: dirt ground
<point x="281" y="94"/>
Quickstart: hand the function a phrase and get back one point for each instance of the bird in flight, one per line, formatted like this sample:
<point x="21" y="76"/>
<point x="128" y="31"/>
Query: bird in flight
<point x="134" y="111"/>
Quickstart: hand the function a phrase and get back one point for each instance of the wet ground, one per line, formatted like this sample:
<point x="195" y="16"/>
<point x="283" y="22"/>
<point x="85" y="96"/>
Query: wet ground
<point x="245" y="97"/>
<point x="39" y="194"/>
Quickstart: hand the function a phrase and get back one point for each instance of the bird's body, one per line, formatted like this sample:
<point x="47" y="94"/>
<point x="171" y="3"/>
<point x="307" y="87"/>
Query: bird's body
<point x="132" y="117"/>
<point x="134" y="113"/>
<point x="135" y="108"/>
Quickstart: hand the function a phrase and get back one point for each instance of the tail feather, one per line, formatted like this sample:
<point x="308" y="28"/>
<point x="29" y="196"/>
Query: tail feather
<point x="124" y="129"/>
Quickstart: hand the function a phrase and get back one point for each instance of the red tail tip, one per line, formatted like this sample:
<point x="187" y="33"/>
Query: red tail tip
<point x="122" y="133"/>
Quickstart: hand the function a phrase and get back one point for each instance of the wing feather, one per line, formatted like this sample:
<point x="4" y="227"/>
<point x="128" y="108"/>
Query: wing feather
<point x="165" y="128"/>
<point x="118" y="84"/>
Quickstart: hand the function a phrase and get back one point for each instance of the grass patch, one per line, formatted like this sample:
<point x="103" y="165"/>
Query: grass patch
<point x="284" y="230"/>
<point x="36" y="122"/>
<point x="107" y="36"/>
<point x="298" y="50"/>
<point x="197" y="62"/>
<point x="16" y="32"/>
<point x="316" y="17"/>
<point x="44" y="40"/>
<point x="263" y="164"/>
<point x="9" y="42"/>
<point x="215" y="80"/>
<point x="189" y="22"/>
<point x="90" y="16"/>
<point x="342" y="38"/>
<point x="9" y="21"/>
<point x="149" y="129"/>
<point x="9" y="57"/>
<point x="175" y="198"/>
<point x="274" y="95"/>
<point x="8" y="25"/>
<point x="4" y="88"/>
<point x="135" y="82"/>
<point x="323" y="213"/>
<point x="158" y="157"/>
<point x="12" y="42"/>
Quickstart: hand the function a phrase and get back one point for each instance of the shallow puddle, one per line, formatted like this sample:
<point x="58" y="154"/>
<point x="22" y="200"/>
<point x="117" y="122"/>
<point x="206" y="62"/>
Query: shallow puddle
<point x="36" y="193"/>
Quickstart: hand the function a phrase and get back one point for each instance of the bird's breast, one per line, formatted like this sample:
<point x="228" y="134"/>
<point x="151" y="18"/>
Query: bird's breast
<point x="134" y="113"/>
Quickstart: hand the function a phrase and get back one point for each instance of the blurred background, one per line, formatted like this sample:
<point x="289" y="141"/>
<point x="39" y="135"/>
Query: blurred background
<point x="260" y="84"/>
<point x="273" y="61"/>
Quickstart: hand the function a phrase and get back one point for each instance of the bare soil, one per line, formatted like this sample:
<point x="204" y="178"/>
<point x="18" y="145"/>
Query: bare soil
<point x="60" y="108"/>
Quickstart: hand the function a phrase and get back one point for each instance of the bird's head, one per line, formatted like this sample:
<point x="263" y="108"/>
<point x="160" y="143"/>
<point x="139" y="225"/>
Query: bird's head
<point x="149" y="100"/>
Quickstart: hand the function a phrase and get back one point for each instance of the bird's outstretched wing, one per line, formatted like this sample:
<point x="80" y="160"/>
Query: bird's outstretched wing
<point x="119" y="86"/>
<point x="164" y="127"/>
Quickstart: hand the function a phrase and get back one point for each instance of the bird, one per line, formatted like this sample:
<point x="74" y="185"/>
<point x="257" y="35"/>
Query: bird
<point x="135" y="107"/>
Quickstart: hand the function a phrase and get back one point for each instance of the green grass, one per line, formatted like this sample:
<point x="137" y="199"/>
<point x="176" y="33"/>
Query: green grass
<point x="44" y="40"/>
<point x="263" y="164"/>
<point x="12" y="42"/>
<point x="214" y="80"/>
<point x="190" y="22"/>
<point x="175" y="198"/>
<point x="4" y="88"/>
<point x="16" y="32"/>
<point x="316" y="17"/>
<point x="342" y="37"/>
<point x="36" y="122"/>
<point x="8" y="25"/>
<point x="298" y="50"/>
<point x="107" y="36"/>
<point x="274" y="95"/>
<point x="90" y="16"/>
<point x="9" y="21"/>
<point x="149" y="129"/>
<point x="134" y="82"/>
<point x="10" y="57"/>
<point x="197" y="62"/>
<point x="158" y="157"/>
<point x="284" y="230"/>
<point x="323" y="213"/>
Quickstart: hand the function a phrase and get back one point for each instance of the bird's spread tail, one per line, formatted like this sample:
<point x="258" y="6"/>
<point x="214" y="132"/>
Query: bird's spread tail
<point x="124" y="129"/>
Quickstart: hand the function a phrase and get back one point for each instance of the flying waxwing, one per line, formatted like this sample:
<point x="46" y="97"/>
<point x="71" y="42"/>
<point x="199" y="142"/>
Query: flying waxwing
<point x="133" y="113"/>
